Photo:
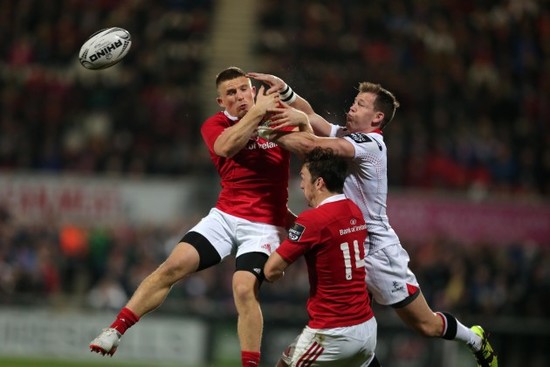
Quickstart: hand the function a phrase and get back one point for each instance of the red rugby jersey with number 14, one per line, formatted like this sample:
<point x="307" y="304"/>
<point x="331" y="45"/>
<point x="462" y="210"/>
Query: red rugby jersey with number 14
<point x="331" y="238"/>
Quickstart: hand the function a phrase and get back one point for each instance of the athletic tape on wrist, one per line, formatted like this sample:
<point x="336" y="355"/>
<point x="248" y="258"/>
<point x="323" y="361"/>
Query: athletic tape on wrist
<point x="288" y="95"/>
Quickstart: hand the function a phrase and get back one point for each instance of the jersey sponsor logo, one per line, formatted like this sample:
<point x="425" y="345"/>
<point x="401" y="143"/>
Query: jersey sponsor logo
<point x="295" y="233"/>
<point x="359" y="138"/>
<point x="260" y="145"/>
<point x="353" y="229"/>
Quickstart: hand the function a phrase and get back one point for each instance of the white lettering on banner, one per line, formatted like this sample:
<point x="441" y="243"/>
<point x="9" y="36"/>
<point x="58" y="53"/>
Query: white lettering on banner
<point x="41" y="333"/>
<point x="36" y="198"/>
<point x="39" y="199"/>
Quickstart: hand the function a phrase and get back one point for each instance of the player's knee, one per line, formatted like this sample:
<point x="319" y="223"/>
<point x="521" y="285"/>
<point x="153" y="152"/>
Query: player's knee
<point x="244" y="288"/>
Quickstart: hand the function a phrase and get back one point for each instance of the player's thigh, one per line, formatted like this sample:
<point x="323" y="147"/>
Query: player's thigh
<point x="183" y="260"/>
<point x="389" y="278"/>
<point x="255" y="242"/>
<point x="349" y="346"/>
<point x="213" y="238"/>
<point x="257" y="237"/>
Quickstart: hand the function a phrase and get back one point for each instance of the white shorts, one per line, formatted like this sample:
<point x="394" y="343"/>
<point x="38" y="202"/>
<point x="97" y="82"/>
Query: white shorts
<point x="389" y="278"/>
<point x="351" y="346"/>
<point x="233" y="235"/>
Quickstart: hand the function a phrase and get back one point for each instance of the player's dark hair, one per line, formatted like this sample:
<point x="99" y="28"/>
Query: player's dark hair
<point x="323" y="162"/>
<point x="385" y="101"/>
<point x="230" y="73"/>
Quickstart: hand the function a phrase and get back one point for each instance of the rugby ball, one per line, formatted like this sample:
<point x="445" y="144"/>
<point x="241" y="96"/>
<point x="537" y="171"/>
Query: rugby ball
<point x="105" y="48"/>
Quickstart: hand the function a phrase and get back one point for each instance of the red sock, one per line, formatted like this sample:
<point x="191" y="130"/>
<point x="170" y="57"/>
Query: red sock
<point x="124" y="320"/>
<point x="250" y="359"/>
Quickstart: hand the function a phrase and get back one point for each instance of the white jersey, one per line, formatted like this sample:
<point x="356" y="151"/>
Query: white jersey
<point x="367" y="185"/>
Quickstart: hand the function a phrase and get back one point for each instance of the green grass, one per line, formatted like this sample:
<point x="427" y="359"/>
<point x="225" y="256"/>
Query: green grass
<point x="28" y="362"/>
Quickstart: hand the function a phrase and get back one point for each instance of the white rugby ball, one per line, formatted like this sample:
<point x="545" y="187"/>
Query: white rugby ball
<point x="105" y="48"/>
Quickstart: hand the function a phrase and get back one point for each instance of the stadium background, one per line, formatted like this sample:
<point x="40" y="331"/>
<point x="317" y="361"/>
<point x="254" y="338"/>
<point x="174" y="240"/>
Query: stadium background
<point x="100" y="172"/>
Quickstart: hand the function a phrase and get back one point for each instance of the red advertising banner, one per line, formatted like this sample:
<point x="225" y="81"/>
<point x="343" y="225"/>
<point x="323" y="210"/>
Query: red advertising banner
<point x="422" y="217"/>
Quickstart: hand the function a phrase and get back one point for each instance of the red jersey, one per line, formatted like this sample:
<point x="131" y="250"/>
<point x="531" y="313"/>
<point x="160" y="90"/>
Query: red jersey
<point x="255" y="180"/>
<point x="331" y="238"/>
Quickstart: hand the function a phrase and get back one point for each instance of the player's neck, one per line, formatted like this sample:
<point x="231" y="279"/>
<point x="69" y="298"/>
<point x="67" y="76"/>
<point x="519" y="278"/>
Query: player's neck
<point x="326" y="197"/>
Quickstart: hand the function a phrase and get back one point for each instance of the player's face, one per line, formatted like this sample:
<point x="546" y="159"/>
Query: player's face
<point x="236" y="96"/>
<point x="307" y="186"/>
<point x="362" y="115"/>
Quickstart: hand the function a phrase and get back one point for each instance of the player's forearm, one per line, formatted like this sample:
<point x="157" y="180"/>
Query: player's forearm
<point x="274" y="268"/>
<point x="301" y="104"/>
<point x="235" y="138"/>
<point x="320" y="126"/>
<point x="299" y="143"/>
<point x="274" y="275"/>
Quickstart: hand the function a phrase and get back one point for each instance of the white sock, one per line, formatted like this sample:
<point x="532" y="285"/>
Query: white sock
<point x="466" y="335"/>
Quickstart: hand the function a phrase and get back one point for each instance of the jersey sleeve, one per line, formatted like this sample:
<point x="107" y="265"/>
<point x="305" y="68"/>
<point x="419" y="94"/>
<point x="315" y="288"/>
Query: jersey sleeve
<point x="363" y="144"/>
<point x="302" y="236"/>
<point x="211" y="130"/>
<point x="336" y="131"/>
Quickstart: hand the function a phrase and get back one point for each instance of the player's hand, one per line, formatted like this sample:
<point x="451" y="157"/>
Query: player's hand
<point x="266" y="102"/>
<point x="286" y="117"/>
<point x="275" y="83"/>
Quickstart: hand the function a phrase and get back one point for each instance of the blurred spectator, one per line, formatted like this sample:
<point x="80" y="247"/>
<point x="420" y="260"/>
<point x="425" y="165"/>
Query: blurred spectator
<point x="107" y="294"/>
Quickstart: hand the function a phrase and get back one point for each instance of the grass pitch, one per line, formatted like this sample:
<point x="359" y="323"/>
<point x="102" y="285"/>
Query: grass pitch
<point x="28" y="362"/>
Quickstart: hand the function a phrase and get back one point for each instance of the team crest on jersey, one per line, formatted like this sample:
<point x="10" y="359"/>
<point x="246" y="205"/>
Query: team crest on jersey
<point x="295" y="232"/>
<point x="359" y="138"/>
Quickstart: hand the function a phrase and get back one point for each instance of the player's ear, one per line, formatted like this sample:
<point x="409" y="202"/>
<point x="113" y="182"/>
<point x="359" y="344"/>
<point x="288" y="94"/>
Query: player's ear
<point x="319" y="183"/>
<point x="378" y="118"/>
<point x="220" y="102"/>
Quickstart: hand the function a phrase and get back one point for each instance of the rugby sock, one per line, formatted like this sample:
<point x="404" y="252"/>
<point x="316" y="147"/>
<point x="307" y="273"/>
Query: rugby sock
<point x="250" y="359"/>
<point x="124" y="320"/>
<point x="455" y="330"/>
<point x="449" y="325"/>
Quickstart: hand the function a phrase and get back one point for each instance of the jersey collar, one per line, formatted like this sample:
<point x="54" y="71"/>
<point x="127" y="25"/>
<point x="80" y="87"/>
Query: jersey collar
<point x="332" y="199"/>
<point x="232" y="118"/>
